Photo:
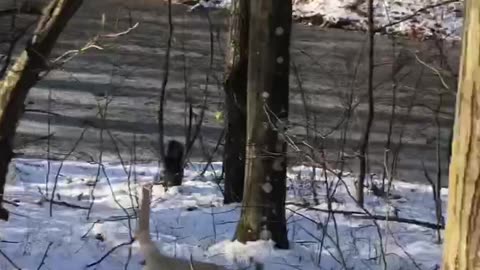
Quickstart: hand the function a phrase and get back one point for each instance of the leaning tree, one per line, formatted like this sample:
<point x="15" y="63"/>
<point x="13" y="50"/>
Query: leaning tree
<point x="462" y="235"/>
<point x="25" y="73"/>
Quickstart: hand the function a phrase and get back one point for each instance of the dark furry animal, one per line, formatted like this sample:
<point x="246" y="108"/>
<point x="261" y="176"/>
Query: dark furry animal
<point x="173" y="170"/>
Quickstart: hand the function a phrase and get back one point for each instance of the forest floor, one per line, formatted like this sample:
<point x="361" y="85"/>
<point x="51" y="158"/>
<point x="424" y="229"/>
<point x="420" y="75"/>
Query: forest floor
<point x="191" y="220"/>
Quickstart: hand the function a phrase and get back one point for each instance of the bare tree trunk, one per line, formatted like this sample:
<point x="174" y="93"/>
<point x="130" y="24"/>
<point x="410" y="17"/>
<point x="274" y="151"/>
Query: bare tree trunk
<point x="24" y="74"/>
<point x="263" y="212"/>
<point x="371" y="109"/>
<point x="235" y="101"/>
<point x="462" y="235"/>
<point x="173" y="157"/>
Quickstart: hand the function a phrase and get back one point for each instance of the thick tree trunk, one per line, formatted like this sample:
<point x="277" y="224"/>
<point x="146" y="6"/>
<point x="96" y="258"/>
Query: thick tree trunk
<point x="263" y="212"/>
<point x="25" y="73"/>
<point x="235" y="101"/>
<point x="462" y="235"/>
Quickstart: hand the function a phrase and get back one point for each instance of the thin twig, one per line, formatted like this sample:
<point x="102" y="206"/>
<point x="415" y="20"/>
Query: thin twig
<point x="80" y="138"/>
<point x="44" y="256"/>
<point x="9" y="260"/>
<point x="49" y="127"/>
<point x="436" y="71"/>
<point x="166" y="72"/>
<point x="10" y="202"/>
<point x="61" y="203"/>
<point x="103" y="116"/>
<point x="198" y="126"/>
<point x="129" y="258"/>
<point x="363" y="215"/>
<point x="110" y="252"/>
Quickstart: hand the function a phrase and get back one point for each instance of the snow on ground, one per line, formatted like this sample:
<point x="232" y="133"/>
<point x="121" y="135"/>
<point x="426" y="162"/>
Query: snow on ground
<point x="192" y="220"/>
<point x="444" y="20"/>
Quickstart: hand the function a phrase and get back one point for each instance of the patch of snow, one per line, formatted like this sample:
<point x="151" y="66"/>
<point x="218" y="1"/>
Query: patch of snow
<point x="444" y="20"/>
<point x="210" y="4"/>
<point x="191" y="220"/>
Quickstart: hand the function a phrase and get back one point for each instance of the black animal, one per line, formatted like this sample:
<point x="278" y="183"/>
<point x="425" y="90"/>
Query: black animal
<point x="173" y="167"/>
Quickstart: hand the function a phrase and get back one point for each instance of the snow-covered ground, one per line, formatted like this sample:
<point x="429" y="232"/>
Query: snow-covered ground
<point x="445" y="20"/>
<point x="432" y="16"/>
<point x="192" y="220"/>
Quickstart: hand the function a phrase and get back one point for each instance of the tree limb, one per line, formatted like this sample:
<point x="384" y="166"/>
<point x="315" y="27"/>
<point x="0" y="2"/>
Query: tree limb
<point x="25" y="73"/>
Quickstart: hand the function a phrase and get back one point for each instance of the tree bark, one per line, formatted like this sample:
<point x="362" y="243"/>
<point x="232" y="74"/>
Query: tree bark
<point x="363" y="151"/>
<point x="235" y="101"/>
<point x="263" y="212"/>
<point x="462" y="235"/>
<point x="24" y="74"/>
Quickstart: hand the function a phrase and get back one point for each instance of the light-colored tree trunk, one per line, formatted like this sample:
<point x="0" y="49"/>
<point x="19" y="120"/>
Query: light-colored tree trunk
<point x="263" y="212"/>
<point x="462" y="235"/>
<point x="25" y="73"/>
<point x="235" y="102"/>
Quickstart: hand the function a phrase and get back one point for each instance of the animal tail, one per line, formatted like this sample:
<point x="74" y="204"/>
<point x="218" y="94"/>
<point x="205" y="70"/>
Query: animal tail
<point x="143" y="228"/>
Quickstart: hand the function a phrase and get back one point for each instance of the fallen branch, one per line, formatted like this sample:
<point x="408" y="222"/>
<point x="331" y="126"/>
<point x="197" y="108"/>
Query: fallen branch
<point x="110" y="219"/>
<point x="61" y="203"/>
<point x="10" y="202"/>
<point x="9" y="260"/>
<point x="9" y="242"/>
<point x="110" y="252"/>
<point x="401" y="220"/>
<point x="44" y="256"/>
<point x="344" y="212"/>
<point x="119" y="34"/>
<point x="42" y="111"/>
<point x="41" y="138"/>
<point x="362" y="215"/>
<point x="414" y="14"/>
